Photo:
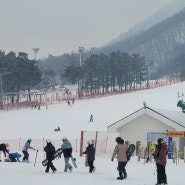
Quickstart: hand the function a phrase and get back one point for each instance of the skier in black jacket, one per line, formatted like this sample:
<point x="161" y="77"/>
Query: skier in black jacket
<point x="90" y="151"/>
<point x="3" y="147"/>
<point x="50" y="151"/>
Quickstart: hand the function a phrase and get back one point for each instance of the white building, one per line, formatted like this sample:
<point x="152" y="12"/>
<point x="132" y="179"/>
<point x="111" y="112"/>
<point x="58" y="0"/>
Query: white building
<point x="148" y="124"/>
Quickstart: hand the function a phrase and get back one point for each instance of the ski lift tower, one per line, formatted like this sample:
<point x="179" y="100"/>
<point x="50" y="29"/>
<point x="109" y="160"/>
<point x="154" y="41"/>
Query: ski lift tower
<point x="35" y="50"/>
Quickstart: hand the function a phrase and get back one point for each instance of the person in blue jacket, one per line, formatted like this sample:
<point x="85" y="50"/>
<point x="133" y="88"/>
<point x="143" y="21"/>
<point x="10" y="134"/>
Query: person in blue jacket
<point x="67" y="152"/>
<point x="14" y="157"/>
<point x="25" y="150"/>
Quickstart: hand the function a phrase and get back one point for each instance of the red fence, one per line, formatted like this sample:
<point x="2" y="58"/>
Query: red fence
<point x="58" y="96"/>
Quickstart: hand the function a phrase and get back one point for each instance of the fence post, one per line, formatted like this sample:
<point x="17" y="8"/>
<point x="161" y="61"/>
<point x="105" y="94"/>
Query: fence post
<point x="81" y="143"/>
<point x="19" y="143"/>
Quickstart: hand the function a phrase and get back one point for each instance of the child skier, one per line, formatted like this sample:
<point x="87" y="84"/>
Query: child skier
<point x="91" y="118"/>
<point x="67" y="152"/>
<point x="25" y="150"/>
<point x="90" y="151"/>
<point x="120" y="151"/>
<point x="50" y="151"/>
<point x="14" y="157"/>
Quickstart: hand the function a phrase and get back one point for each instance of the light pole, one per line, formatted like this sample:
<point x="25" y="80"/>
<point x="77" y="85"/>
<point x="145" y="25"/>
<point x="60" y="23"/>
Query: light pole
<point x="81" y="50"/>
<point x="148" y="74"/>
<point x="93" y="49"/>
<point x="35" y="50"/>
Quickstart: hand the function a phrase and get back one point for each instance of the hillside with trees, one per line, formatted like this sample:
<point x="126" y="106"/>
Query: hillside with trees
<point x="162" y="46"/>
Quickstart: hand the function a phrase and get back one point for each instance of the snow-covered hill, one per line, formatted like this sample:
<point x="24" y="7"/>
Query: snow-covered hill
<point x="106" y="110"/>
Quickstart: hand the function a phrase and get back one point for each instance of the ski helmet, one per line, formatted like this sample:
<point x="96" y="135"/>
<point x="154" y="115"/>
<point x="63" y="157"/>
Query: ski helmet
<point x="48" y="141"/>
<point x="64" y="138"/>
<point x="29" y="139"/>
<point x="90" y="142"/>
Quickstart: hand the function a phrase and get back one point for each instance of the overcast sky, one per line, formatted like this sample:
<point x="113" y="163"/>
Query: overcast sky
<point x="61" y="26"/>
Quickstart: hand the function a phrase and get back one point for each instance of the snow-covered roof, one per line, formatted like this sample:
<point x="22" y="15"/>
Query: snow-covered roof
<point x="168" y="116"/>
<point x="176" y="116"/>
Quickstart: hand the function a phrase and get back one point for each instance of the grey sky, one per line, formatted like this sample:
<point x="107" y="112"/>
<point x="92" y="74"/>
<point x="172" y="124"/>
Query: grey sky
<point x="61" y="26"/>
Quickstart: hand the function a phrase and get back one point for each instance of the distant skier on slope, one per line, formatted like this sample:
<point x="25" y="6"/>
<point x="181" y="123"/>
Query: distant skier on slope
<point x="91" y="118"/>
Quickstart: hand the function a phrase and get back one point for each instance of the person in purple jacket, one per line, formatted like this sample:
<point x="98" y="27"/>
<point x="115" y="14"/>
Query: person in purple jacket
<point x="25" y="150"/>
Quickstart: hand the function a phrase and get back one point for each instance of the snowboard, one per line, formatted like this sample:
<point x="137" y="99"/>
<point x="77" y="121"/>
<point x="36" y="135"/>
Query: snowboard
<point x="57" y="154"/>
<point x="74" y="161"/>
<point x="130" y="150"/>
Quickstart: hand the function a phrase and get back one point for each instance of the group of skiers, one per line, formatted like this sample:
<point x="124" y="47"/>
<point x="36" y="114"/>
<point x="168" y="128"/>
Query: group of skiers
<point x="50" y="151"/>
<point x="15" y="156"/>
<point x="119" y="151"/>
<point x="67" y="153"/>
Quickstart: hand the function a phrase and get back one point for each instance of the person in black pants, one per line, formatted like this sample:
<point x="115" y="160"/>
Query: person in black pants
<point x="160" y="156"/>
<point x="50" y="151"/>
<point x="3" y="147"/>
<point x="90" y="151"/>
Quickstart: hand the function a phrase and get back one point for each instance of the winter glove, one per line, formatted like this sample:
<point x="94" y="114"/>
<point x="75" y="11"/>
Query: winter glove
<point x="112" y="159"/>
<point x="155" y="156"/>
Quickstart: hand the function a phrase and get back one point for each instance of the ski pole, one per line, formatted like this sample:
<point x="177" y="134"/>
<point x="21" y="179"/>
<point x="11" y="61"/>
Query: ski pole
<point x="155" y="169"/>
<point x="35" y="158"/>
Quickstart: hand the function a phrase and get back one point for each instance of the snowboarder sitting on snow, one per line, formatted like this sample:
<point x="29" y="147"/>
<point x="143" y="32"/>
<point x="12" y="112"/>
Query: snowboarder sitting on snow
<point x="120" y="151"/>
<point x="90" y="151"/>
<point x="14" y="157"/>
<point x="67" y="152"/>
<point x="3" y="147"/>
<point x="57" y="129"/>
<point x="25" y="150"/>
<point x="50" y="151"/>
